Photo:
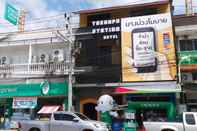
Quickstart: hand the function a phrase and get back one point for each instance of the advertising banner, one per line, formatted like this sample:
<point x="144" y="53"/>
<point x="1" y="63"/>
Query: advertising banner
<point x="148" y="52"/>
<point x="24" y="102"/>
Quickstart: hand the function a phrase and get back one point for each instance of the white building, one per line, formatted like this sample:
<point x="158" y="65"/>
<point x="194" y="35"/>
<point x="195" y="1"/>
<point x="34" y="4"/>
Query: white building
<point x="33" y="70"/>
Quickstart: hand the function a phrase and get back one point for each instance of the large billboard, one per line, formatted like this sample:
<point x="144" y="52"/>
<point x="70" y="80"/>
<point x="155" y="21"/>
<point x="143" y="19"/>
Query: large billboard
<point x="148" y="52"/>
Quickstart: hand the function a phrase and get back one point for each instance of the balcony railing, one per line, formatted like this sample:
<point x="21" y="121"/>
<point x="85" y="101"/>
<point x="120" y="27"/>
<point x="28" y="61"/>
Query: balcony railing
<point x="34" y="69"/>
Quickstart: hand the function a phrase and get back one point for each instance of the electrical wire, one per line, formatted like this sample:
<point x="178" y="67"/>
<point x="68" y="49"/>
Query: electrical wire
<point x="38" y="20"/>
<point x="47" y="19"/>
<point x="98" y="58"/>
<point x="62" y="14"/>
<point x="110" y="70"/>
<point x="171" y="63"/>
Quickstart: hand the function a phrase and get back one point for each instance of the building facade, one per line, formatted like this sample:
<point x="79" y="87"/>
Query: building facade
<point x="186" y="27"/>
<point x="108" y="57"/>
<point x="33" y="70"/>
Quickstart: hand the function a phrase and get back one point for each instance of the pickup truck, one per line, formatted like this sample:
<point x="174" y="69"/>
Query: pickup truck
<point x="64" y="121"/>
<point x="189" y="123"/>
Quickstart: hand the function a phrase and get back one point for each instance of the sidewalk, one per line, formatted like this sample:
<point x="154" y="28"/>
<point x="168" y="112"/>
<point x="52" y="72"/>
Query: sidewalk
<point x="8" y="130"/>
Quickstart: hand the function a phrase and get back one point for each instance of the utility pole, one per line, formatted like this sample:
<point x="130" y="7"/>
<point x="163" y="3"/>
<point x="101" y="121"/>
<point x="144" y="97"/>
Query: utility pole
<point x="21" y="21"/>
<point x="68" y="39"/>
<point x="189" y="7"/>
<point x="73" y="50"/>
<point x="70" y="70"/>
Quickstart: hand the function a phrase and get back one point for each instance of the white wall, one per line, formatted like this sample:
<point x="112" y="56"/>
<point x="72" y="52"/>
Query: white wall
<point x="16" y="47"/>
<point x="16" y="54"/>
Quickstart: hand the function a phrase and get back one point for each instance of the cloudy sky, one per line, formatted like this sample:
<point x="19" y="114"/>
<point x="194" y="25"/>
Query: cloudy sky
<point x="41" y="8"/>
<point x="53" y="9"/>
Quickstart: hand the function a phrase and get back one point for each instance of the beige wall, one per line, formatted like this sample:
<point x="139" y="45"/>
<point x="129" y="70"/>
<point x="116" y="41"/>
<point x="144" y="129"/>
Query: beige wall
<point x="120" y="13"/>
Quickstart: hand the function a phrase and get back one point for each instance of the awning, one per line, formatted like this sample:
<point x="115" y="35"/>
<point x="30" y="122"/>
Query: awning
<point x="170" y="87"/>
<point x="48" y="109"/>
<point x="130" y="90"/>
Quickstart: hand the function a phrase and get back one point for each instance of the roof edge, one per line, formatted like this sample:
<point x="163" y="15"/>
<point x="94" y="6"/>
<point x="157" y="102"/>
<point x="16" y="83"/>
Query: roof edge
<point x="161" y="2"/>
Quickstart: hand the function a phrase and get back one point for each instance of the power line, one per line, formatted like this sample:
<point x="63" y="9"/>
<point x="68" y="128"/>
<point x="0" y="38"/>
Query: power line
<point x="118" y="52"/>
<point x="124" y="69"/>
<point x="48" y="19"/>
<point x="98" y="58"/>
<point x="53" y="23"/>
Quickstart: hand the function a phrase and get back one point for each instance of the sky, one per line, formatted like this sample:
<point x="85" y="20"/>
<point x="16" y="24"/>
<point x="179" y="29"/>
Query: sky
<point x="53" y="10"/>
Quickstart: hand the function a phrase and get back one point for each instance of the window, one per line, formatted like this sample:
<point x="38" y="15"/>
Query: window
<point x="195" y="44"/>
<point x="63" y="117"/>
<point x="190" y="119"/>
<point x="186" y="45"/>
<point x="105" y="56"/>
<point x="194" y="75"/>
<point x="143" y="12"/>
<point x="83" y="117"/>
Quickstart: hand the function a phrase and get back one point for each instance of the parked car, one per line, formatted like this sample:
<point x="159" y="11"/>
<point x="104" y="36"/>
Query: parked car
<point x="16" y="117"/>
<point x="189" y="123"/>
<point x="64" y="121"/>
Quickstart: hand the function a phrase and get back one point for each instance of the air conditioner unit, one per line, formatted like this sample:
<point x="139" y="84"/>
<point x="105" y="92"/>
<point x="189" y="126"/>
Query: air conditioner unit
<point x="44" y="58"/>
<point x="58" y="55"/>
<point x="34" y="59"/>
<point x="5" y="60"/>
<point x="187" y="77"/>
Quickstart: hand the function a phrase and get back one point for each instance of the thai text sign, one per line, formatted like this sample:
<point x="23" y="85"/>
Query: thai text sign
<point x="24" y="102"/>
<point x="148" y="52"/>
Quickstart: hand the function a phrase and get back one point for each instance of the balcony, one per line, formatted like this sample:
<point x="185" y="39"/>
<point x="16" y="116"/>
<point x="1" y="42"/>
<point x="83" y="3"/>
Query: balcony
<point x="100" y="74"/>
<point x="33" y="70"/>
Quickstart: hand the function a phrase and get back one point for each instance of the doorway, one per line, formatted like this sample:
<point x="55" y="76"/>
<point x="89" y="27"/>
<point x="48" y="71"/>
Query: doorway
<point x="2" y="115"/>
<point x="89" y="110"/>
<point x="87" y="107"/>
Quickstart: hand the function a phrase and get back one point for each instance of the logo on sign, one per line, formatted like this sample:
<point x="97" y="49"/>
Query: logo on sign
<point x="45" y="87"/>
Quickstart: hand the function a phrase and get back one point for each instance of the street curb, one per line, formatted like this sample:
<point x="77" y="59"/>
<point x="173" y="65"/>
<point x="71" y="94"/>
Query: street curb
<point x="8" y="130"/>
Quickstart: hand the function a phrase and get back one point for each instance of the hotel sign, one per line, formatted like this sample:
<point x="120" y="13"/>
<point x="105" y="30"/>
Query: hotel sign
<point x="106" y="29"/>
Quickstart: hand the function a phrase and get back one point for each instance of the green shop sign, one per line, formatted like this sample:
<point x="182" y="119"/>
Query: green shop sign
<point x="187" y="57"/>
<point x="34" y="89"/>
<point x="11" y="14"/>
<point x="168" y="106"/>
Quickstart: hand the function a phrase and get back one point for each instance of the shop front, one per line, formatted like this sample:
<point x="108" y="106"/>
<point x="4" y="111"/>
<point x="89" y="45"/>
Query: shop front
<point x="190" y="98"/>
<point x="152" y="98"/>
<point x="4" y="109"/>
<point x="29" y="98"/>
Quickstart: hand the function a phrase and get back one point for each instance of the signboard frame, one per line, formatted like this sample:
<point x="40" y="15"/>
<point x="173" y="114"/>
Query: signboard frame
<point x="154" y="62"/>
<point x="24" y="102"/>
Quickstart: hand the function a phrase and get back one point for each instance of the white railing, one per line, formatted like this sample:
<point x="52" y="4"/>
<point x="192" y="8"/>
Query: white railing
<point x="34" y="69"/>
